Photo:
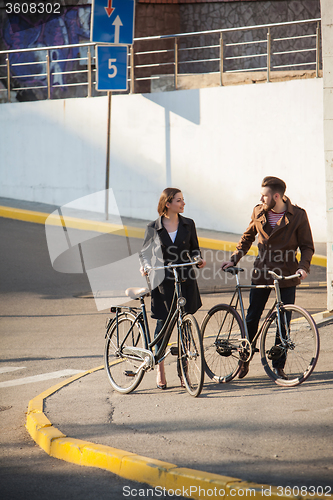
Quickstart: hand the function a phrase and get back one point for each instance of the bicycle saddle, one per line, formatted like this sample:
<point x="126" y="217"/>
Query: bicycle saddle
<point x="136" y="293"/>
<point x="233" y="270"/>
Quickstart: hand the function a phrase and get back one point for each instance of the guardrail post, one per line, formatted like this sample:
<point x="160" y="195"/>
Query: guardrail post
<point x="89" y="72"/>
<point x="221" y="58"/>
<point x="176" y="63"/>
<point x="48" y="74"/>
<point x="317" y="49"/>
<point x="132" y="69"/>
<point x="268" y="54"/>
<point x="8" y="78"/>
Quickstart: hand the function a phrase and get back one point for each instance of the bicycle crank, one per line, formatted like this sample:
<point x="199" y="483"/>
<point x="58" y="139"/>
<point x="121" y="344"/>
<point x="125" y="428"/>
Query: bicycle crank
<point x="147" y="357"/>
<point x="275" y="352"/>
<point x="245" y="350"/>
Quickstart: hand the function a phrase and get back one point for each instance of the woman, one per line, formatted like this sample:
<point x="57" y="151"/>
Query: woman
<point x="170" y="238"/>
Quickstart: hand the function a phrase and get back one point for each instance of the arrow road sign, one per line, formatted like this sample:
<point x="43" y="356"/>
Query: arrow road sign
<point x="109" y="9"/>
<point x="113" y="21"/>
<point x="112" y="67"/>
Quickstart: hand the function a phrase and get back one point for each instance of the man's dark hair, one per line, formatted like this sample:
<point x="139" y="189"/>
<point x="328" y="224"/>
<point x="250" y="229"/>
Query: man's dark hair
<point x="275" y="184"/>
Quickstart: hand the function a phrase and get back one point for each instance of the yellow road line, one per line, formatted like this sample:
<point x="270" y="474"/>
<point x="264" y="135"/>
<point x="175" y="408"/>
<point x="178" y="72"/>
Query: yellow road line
<point x="156" y="473"/>
<point x="132" y="232"/>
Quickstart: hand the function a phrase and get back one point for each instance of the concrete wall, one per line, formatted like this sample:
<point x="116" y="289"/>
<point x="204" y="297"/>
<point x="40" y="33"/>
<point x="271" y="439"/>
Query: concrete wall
<point x="215" y="144"/>
<point x="327" y="31"/>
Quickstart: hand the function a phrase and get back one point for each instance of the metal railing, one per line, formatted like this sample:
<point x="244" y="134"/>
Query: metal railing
<point x="266" y="48"/>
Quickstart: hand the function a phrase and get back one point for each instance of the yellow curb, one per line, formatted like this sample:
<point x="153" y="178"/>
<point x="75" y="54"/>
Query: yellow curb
<point x="131" y="232"/>
<point x="167" y="477"/>
<point x="25" y="215"/>
<point x="319" y="260"/>
<point x="42" y="431"/>
<point x="322" y="317"/>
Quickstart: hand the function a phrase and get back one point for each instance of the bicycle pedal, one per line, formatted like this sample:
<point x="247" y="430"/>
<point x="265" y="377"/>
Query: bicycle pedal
<point x="174" y="350"/>
<point x="255" y="349"/>
<point x="129" y="373"/>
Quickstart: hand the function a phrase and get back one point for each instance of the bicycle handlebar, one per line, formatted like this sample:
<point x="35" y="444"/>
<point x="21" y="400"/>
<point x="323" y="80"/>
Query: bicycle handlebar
<point x="278" y="277"/>
<point x="196" y="260"/>
<point x="236" y="270"/>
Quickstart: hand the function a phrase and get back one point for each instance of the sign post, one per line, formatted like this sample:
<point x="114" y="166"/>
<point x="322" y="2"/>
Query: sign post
<point x="112" y="23"/>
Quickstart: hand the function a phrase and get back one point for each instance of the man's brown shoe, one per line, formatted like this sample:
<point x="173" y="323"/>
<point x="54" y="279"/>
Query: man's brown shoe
<point x="280" y="373"/>
<point x="244" y="369"/>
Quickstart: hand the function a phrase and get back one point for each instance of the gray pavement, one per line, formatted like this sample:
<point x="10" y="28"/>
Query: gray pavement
<point x="250" y="428"/>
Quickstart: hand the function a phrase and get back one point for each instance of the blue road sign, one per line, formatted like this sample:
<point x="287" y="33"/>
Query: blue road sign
<point x="112" y="67"/>
<point x="113" y="21"/>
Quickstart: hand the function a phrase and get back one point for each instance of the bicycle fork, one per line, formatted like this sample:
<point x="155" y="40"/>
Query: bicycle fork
<point x="283" y="323"/>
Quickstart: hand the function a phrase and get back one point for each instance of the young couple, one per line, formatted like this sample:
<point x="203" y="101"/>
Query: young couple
<point x="282" y="229"/>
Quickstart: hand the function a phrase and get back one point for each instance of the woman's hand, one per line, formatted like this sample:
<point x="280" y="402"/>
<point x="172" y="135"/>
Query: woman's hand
<point x="201" y="264"/>
<point x="144" y="270"/>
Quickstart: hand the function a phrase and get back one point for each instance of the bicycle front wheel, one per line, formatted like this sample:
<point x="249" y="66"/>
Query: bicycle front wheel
<point x="191" y="357"/>
<point x="298" y="353"/>
<point x="222" y="332"/>
<point x="123" y="371"/>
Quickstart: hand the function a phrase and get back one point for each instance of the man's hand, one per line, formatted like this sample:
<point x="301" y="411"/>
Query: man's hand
<point x="227" y="264"/>
<point x="302" y="273"/>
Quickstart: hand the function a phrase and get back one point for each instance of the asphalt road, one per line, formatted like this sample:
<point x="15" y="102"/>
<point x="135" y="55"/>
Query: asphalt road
<point x="43" y="329"/>
<point x="250" y="429"/>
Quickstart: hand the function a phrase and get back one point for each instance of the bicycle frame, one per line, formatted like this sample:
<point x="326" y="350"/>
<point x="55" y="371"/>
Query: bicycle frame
<point x="277" y="304"/>
<point x="175" y="315"/>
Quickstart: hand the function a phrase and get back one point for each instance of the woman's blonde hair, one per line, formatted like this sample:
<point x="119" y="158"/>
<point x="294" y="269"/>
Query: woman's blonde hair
<point x="166" y="197"/>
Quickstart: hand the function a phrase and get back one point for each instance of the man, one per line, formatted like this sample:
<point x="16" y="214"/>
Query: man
<point x="282" y="228"/>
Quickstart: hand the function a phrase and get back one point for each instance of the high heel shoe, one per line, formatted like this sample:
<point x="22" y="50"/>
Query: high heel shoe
<point x="162" y="386"/>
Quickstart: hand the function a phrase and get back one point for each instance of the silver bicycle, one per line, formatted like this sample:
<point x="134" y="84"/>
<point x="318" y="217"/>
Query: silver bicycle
<point x="288" y="336"/>
<point x="129" y="349"/>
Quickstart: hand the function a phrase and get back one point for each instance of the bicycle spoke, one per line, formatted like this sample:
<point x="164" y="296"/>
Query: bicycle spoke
<point x="297" y="355"/>
<point x="191" y="355"/>
<point x="222" y="333"/>
<point x="123" y="371"/>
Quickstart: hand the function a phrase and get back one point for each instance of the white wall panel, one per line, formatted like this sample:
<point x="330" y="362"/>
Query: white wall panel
<point x="216" y="144"/>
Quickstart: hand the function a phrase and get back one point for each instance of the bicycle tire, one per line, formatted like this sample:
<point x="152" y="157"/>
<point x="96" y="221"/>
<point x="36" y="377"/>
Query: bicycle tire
<point x="191" y="356"/>
<point x="301" y="357"/>
<point x="222" y="330"/>
<point x="121" y="370"/>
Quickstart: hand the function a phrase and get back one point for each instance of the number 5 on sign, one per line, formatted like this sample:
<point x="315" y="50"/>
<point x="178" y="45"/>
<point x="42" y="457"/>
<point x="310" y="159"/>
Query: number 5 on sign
<point x="112" y="69"/>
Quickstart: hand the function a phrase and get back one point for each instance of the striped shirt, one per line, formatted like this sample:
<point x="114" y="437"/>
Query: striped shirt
<point x="273" y="217"/>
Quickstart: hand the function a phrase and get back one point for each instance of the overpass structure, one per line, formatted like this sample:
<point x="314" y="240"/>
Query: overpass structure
<point x="268" y="52"/>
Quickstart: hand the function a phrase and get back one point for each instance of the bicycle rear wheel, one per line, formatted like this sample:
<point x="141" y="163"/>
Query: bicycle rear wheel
<point x="299" y="356"/>
<point x="122" y="370"/>
<point x="191" y="355"/>
<point x="222" y="332"/>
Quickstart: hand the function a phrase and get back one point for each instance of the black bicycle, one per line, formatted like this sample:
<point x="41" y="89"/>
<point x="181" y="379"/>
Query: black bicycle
<point x="288" y="335"/>
<point x="129" y="349"/>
